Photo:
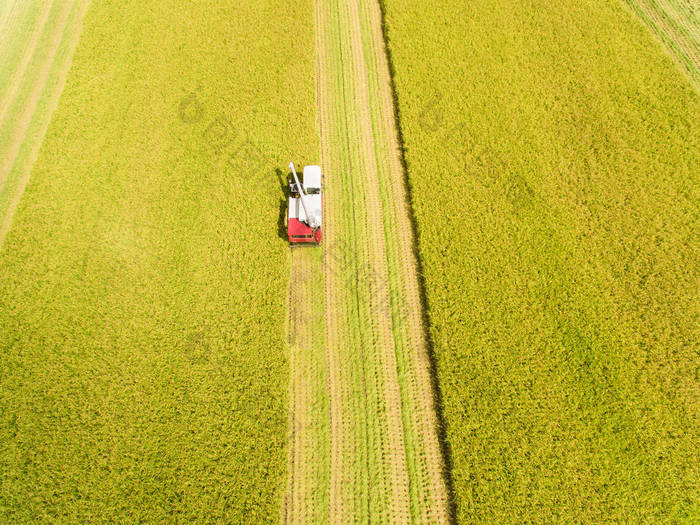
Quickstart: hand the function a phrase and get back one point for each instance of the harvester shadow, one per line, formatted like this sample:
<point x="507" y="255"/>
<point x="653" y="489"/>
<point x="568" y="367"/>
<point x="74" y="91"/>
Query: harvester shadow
<point x="437" y="393"/>
<point x="282" y="217"/>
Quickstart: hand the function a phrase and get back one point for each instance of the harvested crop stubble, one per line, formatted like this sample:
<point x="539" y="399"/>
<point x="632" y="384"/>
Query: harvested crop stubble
<point x="677" y="24"/>
<point x="385" y="460"/>
<point x="36" y="45"/>
<point x="553" y="153"/>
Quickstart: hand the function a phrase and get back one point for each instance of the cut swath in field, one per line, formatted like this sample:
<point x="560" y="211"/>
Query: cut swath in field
<point x="306" y="500"/>
<point x="384" y="457"/>
<point x="677" y="24"/>
<point x="40" y="41"/>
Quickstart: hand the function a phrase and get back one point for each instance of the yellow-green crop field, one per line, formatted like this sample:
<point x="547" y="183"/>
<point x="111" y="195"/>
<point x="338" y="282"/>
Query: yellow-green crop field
<point x="143" y="365"/>
<point x="501" y="325"/>
<point x="553" y="152"/>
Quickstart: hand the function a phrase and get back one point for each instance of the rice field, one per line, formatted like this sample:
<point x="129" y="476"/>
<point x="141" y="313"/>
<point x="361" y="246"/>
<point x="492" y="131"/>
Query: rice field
<point x="500" y="326"/>
<point x="142" y="281"/>
<point x="553" y="153"/>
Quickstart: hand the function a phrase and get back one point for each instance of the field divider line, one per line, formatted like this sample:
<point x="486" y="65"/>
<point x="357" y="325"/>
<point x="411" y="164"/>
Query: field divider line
<point x="62" y="76"/>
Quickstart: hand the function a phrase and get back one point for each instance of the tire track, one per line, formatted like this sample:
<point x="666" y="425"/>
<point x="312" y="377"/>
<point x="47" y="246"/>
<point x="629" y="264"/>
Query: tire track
<point x="677" y="28"/>
<point x="18" y="131"/>
<point x="357" y="463"/>
<point x="362" y="462"/>
<point x="332" y="343"/>
<point x="306" y="500"/>
<point x="10" y="14"/>
<point x="383" y="342"/>
<point x="298" y="331"/>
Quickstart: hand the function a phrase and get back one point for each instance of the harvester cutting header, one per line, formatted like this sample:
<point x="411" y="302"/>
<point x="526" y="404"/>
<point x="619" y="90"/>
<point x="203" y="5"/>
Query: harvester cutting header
<point x="305" y="209"/>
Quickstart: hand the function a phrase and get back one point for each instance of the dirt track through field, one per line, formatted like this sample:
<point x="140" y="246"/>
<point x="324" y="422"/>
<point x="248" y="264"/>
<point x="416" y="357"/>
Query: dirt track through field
<point x="379" y="422"/>
<point x="32" y="95"/>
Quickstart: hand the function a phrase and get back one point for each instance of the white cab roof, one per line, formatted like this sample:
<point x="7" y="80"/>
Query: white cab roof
<point x="312" y="177"/>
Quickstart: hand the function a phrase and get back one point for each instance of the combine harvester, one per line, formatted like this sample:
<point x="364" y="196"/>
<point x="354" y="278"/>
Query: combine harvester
<point x="305" y="208"/>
